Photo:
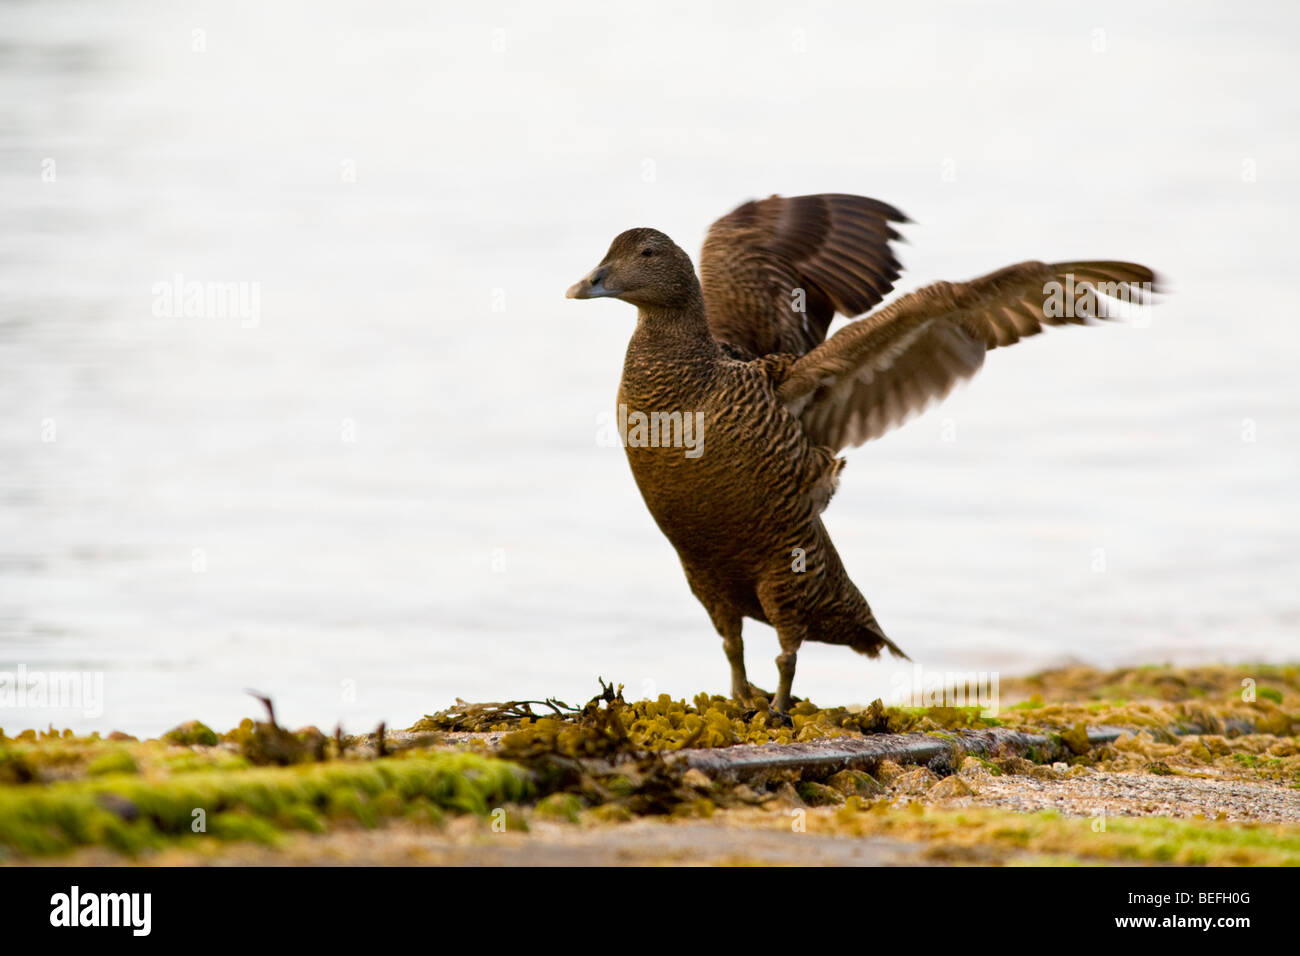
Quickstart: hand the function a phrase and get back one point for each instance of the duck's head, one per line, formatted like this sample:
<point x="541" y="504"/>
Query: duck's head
<point x="643" y="267"/>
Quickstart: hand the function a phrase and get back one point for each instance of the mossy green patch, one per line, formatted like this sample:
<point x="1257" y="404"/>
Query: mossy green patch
<point x="115" y="761"/>
<point x="560" y="806"/>
<point x="1270" y="693"/>
<point x="131" y="814"/>
<point x="192" y="733"/>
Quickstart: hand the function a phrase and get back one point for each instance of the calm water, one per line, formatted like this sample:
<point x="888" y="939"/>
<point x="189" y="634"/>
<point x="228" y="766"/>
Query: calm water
<point x="379" y="487"/>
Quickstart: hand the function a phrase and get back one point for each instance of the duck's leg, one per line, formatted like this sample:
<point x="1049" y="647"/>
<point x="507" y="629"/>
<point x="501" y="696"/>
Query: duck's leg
<point x="782" y="612"/>
<point x="785" y="668"/>
<point x="735" y="650"/>
<point x="729" y="626"/>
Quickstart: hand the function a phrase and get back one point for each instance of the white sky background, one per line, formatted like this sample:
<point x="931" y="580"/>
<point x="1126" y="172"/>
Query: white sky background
<point x="497" y="150"/>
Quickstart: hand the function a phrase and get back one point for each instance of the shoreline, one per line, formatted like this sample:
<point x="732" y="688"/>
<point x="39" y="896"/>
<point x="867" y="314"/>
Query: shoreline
<point x="1151" y="765"/>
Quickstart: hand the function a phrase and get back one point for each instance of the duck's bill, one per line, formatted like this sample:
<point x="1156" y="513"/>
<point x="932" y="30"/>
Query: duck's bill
<point x="591" y="287"/>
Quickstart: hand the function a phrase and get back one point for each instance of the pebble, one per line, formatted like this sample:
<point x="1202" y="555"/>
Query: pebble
<point x="951" y="787"/>
<point x="915" y="781"/>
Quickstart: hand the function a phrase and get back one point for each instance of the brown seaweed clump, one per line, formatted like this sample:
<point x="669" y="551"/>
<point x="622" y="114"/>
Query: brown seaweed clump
<point x="265" y="742"/>
<point x="595" y="756"/>
<point x="612" y="752"/>
<point x="708" y="721"/>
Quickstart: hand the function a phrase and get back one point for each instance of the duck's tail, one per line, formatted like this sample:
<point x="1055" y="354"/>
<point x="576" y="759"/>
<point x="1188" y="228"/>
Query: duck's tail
<point x="856" y="627"/>
<point x="869" y="639"/>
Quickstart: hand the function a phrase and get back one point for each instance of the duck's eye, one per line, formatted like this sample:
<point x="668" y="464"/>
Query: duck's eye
<point x="647" y="252"/>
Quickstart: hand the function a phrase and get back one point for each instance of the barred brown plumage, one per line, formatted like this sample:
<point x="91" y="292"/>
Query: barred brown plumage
<point x="743" y="351"/>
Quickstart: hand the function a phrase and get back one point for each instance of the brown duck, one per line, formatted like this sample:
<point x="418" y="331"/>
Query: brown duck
<point x="735" y="405"/>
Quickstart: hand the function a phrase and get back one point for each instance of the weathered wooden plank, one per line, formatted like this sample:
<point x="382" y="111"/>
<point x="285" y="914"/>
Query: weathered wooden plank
<point x="820" y="758"/>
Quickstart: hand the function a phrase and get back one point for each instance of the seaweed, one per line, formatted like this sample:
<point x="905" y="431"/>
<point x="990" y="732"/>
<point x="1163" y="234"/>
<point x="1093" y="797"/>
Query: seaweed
<point x="612" y="760"/>
<point x="595" y="756"/>
<point x="464" y="716"/>
<point x="266" y="742"/>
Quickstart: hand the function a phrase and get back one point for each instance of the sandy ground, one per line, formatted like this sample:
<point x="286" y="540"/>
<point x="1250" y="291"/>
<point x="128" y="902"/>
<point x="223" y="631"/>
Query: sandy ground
<point x="1131" y="794"/>
<point x="644" y="842"/>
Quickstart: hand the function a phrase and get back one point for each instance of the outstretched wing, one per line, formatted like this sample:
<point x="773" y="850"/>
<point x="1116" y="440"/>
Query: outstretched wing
<point x="775" y="271"/>
<point x="874" y="373"/>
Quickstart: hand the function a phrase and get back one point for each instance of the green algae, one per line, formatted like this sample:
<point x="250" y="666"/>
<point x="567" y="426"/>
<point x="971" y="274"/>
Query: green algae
<point x="563" y="806"/>
<point x="192" y="733"/>
<point x="116" y="761"/>
<point x="606" y="762"/>
<point x="131" y="814"/>
<point x="1033" y="703"/>
<point x="26" y="760"/>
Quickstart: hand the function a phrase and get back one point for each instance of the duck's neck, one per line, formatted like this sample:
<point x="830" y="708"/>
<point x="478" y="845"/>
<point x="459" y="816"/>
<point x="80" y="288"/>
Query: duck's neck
<point x="681" y="331"/>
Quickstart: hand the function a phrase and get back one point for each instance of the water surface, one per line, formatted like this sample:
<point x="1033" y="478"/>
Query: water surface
<point x="386" y="490"/>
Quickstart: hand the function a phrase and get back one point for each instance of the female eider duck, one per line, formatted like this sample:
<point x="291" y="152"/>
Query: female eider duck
<point x="737" y="404"/>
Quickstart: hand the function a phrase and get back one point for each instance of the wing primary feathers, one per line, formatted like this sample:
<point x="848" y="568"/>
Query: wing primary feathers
<point x="883" y="368"/>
